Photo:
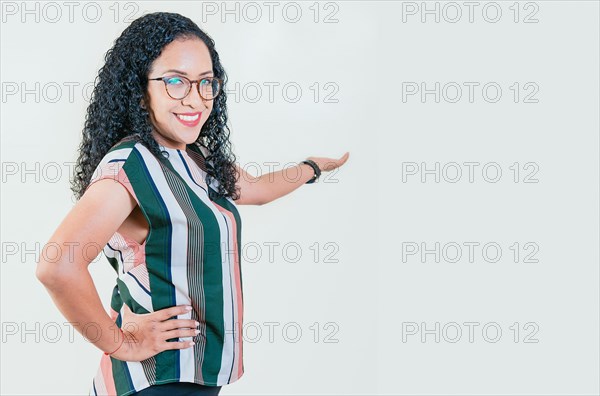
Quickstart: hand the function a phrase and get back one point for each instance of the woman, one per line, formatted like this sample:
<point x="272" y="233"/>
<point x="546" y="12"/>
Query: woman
<point x="156" y="125"/>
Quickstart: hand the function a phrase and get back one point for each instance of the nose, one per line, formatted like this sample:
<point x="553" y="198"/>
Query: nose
<point x="193" y="99"/>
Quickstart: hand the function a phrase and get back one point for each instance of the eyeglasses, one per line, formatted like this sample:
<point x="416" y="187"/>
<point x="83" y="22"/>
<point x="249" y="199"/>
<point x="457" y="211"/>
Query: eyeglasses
<point x="178" y="87"/>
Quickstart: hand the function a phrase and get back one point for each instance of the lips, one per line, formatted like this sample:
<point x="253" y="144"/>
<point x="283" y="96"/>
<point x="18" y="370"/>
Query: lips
<point x="189" y="119"/>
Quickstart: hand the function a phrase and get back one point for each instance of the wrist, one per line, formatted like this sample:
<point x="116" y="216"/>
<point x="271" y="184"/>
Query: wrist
<point x="120" y="344"/>
<point x="313" y="165"/>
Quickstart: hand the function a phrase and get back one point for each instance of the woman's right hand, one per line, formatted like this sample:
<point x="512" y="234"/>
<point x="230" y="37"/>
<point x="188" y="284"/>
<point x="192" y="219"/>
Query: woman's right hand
<point x="146" y="334"/>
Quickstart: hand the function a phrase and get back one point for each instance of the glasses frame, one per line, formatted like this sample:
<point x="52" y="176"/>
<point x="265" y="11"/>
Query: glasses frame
<point x="197" y="82"/>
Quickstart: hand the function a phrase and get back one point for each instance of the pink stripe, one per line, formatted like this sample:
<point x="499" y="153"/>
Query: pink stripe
<point x="136" y="253"/>
<point x="107" y="373"/>
<point x="99" y="385"/>
<point x="114" y="171"/>
<point x="122" y="177"/>
<point x="238" y="288"/>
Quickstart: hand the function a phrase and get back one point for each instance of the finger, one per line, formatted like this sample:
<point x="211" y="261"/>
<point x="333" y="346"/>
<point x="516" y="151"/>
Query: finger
<point x="343" y="159"/>
<point x="177" y="345"/>
<point x="168" y="313"/>
<point x="332" y="164"/>
<point x="171" y="324"/>
<point x="179" y="333"/>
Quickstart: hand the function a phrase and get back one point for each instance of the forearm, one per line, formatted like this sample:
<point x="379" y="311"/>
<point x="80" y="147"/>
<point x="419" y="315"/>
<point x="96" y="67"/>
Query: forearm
<point x="77" y="299"/>
<point x="282" y="182"/>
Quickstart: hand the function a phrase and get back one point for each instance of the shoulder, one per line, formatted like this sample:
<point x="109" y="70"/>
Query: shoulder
<point x="118" y="160"/>
<point x="128" y="151"/>
<point x="119" y="151"/>
<point x="122" y="149"/>
<point x="122" y="164"/>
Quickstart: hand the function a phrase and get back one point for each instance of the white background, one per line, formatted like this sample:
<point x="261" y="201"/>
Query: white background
<point x="371" y="210"/>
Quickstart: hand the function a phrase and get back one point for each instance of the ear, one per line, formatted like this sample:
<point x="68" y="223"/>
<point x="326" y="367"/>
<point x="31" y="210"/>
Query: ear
<point x="144" y="101"/>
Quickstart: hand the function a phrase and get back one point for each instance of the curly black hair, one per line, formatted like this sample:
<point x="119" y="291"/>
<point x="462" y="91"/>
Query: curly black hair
<point x="115" y="110"/>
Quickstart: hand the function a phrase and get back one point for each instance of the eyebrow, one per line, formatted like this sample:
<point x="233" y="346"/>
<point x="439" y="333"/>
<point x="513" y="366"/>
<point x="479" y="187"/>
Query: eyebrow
<point x="185" y="74"/>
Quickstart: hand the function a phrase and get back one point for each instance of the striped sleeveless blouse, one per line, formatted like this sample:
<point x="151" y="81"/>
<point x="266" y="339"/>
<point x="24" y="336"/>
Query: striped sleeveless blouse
<point x="191" y="256"/>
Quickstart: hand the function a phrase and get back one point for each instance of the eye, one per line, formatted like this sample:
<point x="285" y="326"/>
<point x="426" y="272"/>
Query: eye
<point x="205" y="81"/>
<point x="174" y="80"/>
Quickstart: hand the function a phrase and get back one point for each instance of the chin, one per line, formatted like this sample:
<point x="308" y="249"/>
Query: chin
<point x="190" y="138"/>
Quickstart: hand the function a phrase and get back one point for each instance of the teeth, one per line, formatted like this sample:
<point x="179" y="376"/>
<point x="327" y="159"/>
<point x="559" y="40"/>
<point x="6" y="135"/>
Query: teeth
<point x="188" y="118"/>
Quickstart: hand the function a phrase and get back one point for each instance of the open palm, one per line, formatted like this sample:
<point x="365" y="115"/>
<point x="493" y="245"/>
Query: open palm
<point x="329" y="164"/>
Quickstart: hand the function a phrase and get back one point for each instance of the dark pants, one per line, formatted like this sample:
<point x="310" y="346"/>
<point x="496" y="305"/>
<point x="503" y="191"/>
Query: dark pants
<point x="179" y="389"/>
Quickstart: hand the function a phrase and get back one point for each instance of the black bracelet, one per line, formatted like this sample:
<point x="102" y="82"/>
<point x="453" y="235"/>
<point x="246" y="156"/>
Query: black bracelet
<point x="315" y="168"/>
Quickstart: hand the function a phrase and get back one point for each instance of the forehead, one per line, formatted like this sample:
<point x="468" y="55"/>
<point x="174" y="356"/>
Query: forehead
<point x="188" y="55"/>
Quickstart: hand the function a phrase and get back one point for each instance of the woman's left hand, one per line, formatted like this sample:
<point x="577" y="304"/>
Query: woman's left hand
<point x="329" y="164"/>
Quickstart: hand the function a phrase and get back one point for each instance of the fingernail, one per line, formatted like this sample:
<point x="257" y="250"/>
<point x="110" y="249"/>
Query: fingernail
<point x="197" y="323"/>
<point x="189" y="307"/>
<point x="191" y="343"/>
<point x="197" y="331"/>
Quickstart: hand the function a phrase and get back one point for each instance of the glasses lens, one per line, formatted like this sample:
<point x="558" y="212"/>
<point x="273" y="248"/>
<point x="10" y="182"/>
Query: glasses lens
<point x="209" y="88"/>
<point x="177" y="87"/>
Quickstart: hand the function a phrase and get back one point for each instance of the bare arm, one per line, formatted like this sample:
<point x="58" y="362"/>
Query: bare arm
<point x="271" y="186"/>
<point x="82" y="234"/>
<point x="79" y="238"/>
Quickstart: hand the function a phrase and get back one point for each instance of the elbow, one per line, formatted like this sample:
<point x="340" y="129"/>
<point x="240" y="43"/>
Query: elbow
<point x="58" y="276"/>
<point x="49" y="273"/>
<point x="261" y="201"/>
<point x="252" y="200"/>
<point x="56" y="271"/>
<point x="43" y="273"/>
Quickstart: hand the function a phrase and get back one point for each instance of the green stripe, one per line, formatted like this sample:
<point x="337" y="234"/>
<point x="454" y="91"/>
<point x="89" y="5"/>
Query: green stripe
<point x="120" y="371"/>
<point x="158" y="257"/>
<point x="115" y="301"/>
<point x="129" y="300"/>
<point x="212" y="276"/>
<point x="121" y="376"/>
<point x="225" y="203"/>
<point x="113" y="263"/>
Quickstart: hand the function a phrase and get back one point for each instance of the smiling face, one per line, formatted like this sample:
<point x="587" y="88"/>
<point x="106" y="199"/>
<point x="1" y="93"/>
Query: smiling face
<point x="178" y="122"/>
